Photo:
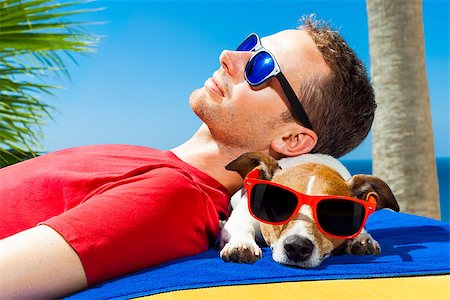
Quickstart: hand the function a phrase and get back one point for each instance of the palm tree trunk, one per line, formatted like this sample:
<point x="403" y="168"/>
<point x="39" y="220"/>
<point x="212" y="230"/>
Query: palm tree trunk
<point x="403" y="150"/>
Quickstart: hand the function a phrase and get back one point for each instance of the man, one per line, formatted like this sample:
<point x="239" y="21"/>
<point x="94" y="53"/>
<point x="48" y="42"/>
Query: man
<point x="104" y="211"/>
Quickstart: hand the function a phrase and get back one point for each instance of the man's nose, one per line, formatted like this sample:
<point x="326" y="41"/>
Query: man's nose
<point x="234" y="62"/>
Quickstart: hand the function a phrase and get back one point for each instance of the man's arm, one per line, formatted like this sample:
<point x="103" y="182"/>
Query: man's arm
<point x="39" y="263"/>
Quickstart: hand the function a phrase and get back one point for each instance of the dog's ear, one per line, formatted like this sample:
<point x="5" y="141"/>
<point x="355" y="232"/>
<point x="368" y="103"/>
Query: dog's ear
<point x="361" y="185"/>
<point x="250" y="160"/>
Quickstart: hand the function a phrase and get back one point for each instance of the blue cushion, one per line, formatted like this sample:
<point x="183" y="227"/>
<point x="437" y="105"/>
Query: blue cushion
<point x="411" y="245"/>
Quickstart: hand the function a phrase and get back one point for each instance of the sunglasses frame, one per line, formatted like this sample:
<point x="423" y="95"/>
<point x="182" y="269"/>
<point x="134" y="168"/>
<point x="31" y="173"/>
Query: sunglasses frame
<point x="369" y="204"/>
<point x="297" y="108"/>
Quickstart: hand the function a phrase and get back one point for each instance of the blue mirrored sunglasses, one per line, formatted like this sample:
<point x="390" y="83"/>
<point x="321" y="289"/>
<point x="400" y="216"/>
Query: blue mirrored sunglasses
<point x="262" y="66"/>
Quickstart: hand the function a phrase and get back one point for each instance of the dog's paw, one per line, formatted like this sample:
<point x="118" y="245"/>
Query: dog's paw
<point x="241" y="251"/>
<point x="363" y="244"/>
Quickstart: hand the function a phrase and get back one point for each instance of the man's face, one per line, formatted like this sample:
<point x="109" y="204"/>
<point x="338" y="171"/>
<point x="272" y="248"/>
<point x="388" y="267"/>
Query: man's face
<point x="239" y="115"/>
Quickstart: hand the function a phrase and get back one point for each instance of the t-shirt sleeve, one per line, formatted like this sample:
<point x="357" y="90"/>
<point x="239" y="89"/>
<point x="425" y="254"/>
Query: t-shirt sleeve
<point x="136" y="223"/>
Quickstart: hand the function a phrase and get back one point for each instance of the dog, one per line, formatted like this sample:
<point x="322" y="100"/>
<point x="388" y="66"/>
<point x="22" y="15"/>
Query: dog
<point x="298" y="243"/>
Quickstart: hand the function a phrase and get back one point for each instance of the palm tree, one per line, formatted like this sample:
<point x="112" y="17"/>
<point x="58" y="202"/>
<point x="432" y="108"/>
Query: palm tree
<point x="35" y="37"/>
<point x="403" y="150"/>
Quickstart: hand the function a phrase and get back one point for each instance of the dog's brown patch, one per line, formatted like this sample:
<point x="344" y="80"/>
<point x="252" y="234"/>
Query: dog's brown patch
<point x="248" y="161"/>
<point x="360" y="185"/>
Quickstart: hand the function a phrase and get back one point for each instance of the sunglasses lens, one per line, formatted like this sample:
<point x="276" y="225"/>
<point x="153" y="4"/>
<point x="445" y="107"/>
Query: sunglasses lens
<point x="259" y="67"/>
<point x="340" y="217"/>
<point x="272" y="204"/>
<point x="248" y="44"/>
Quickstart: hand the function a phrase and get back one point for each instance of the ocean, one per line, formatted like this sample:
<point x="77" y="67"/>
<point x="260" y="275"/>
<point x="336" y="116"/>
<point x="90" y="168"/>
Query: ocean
<point x="443" y="170"/>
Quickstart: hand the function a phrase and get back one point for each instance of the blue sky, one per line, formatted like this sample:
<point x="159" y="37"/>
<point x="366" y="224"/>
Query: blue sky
<point x="153" y="54"/>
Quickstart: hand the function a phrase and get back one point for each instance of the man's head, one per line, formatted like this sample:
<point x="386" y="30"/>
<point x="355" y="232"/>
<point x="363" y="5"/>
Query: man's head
<point x="342" y="104"/>
<point x="260" y="117"/>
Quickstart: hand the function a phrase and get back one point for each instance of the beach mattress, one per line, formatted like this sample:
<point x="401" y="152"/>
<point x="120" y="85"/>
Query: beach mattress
<point x="415" y="259"/>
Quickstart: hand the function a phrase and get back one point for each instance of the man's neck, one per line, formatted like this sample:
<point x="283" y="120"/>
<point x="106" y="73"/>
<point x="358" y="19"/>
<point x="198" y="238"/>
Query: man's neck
<point x="210" y="156"/>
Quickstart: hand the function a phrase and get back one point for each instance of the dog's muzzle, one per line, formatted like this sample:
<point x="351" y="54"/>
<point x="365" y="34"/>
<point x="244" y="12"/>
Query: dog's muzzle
<point x="298" y="248"/>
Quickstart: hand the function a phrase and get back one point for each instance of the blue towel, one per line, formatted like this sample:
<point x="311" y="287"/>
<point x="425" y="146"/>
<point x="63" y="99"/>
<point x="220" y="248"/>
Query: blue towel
<point x="410" y="245"/>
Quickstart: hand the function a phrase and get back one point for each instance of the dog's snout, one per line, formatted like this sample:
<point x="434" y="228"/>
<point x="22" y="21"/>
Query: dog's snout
<point x="298" y="248"/>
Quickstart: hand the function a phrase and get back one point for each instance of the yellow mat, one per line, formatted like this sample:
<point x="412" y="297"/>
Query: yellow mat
<point x="409" y="288"/>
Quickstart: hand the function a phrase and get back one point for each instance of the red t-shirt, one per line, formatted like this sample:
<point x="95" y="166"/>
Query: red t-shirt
<point x="122" y="208"/>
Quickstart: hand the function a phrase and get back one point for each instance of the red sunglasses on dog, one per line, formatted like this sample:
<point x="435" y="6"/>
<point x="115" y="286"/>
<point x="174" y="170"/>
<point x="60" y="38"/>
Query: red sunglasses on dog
<point x="336" y="216"/>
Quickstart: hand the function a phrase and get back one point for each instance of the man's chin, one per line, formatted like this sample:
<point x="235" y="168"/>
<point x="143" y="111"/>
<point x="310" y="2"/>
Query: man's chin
<point x="195" y="98"/>
<point x="202" y="107"/>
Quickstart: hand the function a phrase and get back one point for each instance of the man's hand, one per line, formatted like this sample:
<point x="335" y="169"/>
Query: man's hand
<point x="39" y="263"/>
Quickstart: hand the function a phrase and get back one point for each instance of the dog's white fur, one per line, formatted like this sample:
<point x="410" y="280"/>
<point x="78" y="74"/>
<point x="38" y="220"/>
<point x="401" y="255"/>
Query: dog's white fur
<point x="323" y="159"/>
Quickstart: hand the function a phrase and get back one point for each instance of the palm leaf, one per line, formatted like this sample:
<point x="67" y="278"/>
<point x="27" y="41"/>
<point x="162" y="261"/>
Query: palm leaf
<point x="36" y="39"/>
<point x="13" y="156"/>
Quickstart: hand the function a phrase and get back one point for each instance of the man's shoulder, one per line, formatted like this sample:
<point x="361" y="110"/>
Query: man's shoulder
<point x="107" y="149"/>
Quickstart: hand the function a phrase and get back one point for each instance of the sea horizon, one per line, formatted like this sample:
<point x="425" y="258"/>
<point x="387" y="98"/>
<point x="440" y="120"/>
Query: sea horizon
<point x="364" y="166"/>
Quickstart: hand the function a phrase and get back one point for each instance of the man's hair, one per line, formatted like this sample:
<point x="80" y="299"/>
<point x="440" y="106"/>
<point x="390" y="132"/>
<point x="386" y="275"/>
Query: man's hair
<point x="341" y="105"/>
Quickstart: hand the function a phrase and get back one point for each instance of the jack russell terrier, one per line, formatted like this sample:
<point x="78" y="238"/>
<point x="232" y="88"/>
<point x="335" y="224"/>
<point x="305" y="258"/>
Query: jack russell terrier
<point x="305" y="208"/>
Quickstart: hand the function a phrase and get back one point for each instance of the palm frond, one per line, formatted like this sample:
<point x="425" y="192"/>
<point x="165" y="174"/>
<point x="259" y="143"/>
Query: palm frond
<point x="37" y="37"/>
<point x="10" y="157"/>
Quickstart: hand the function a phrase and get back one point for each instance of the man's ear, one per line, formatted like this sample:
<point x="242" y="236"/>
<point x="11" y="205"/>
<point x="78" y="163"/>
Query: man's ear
<point x="295" y="142"/>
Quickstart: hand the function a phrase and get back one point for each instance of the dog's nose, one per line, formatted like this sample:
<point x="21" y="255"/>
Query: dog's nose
<point x="298" y="248"/>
